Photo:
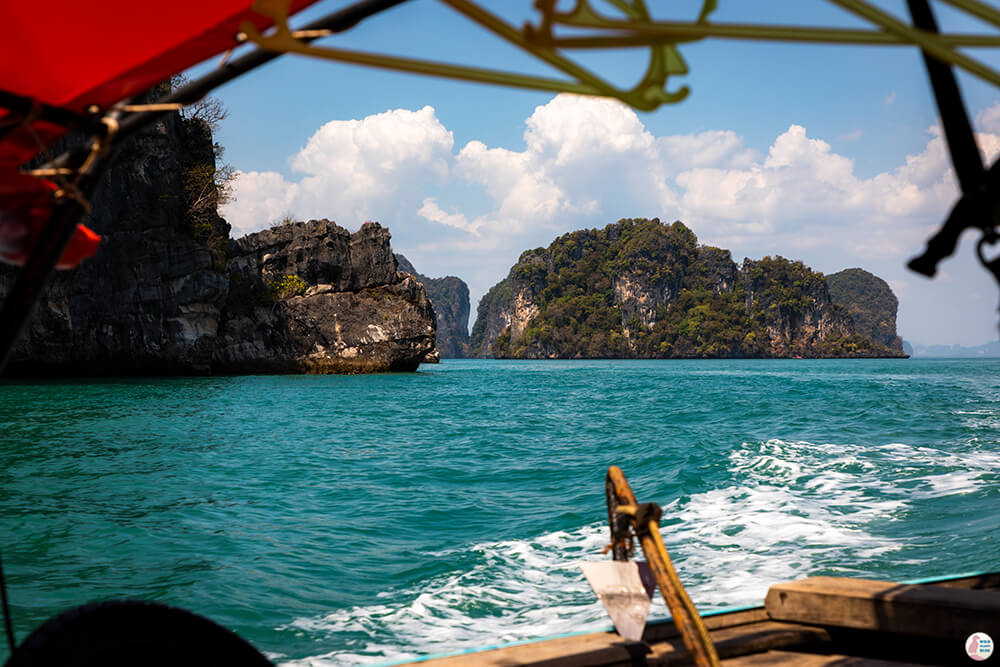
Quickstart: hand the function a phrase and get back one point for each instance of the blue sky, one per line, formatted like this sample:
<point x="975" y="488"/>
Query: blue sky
<point x="821" y="153"/>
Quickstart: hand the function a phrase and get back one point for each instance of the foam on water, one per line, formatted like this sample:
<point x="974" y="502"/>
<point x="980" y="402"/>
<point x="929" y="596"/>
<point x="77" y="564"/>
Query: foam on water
<point x="481" y="491"/>
<point x="955" y="473"/>
<point x="793" y="509"/>
<point x="517" y="589"/>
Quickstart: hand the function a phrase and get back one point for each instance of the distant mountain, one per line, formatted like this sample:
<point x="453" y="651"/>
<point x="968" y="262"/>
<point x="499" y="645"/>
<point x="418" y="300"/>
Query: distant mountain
<point x="991" y="349"/>
<point x="644" y="289"/>
<point x="450" y="298"/>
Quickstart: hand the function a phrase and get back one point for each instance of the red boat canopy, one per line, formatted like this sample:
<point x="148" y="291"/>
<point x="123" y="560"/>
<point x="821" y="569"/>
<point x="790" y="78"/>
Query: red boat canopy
<point x="74" y="54"/>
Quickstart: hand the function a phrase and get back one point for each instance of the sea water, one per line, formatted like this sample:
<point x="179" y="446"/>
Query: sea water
<point x="354" y="519"/>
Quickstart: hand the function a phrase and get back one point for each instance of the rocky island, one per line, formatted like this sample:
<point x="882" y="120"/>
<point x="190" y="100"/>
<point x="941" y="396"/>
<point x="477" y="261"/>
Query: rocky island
<point x="450" y="298"/>
<point x="870" y="303"/>
<point x="644" y="289"/>
<point x="170" y="293"/>
<point x="310" y="297"/>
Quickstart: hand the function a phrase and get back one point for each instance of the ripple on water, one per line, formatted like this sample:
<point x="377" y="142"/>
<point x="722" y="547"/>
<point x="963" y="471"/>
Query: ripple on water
<point x="333" y="520"/>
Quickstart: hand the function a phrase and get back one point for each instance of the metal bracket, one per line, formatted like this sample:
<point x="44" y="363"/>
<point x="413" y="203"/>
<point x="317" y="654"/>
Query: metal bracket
<point x="634" y="27"/>
<point x="990" y="237"/>
<point x="648" y="95"/>
<point x="979" y="207"/>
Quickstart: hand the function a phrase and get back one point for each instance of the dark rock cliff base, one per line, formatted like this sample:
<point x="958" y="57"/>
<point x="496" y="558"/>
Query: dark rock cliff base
<point x="643" y="289"/>
<point x="169" y="293"/>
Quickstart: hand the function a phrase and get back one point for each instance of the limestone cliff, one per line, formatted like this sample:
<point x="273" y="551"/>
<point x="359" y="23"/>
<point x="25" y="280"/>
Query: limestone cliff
<point x="450" y="298"/>
<point x="789" y="303"/>
<point x="506" y="309"/>
<point x="870" y="302"/>
<point x="150" y="300"/>
<point x="644" y="289"/>
<point x="163" y="295"/>
<point x="312" y="297"/>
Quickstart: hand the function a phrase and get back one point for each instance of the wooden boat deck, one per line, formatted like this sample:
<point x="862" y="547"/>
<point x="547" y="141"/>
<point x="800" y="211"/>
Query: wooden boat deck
<point x="811" y="622"/>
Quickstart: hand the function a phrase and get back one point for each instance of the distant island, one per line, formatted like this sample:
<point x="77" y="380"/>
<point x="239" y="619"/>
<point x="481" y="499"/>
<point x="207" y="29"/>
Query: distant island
<point x="171" y="293"/>
<point x="450" y="298"/>
<point x="989" y="350"/>
<point x="641" y="288"/>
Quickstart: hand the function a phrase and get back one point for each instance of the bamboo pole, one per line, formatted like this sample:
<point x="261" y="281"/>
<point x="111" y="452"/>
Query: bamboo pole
<point x="682" y="610"/>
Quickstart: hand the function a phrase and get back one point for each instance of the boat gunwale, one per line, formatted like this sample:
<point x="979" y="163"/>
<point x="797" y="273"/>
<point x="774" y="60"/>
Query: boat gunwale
<point x="658" y="623"/>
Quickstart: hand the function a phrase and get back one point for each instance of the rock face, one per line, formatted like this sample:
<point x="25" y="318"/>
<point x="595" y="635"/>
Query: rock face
<point x="169" y="293"/>
<point x="870" y="302"/>
<point x="644" y="289"/>
<point x="313" y="298"/>
<point x="792" y="306"/>
<point x="450" y="298"/>
<point x="150" y="300"/>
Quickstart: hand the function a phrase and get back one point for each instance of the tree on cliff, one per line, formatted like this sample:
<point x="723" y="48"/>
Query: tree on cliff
<point x="208" y="179"/>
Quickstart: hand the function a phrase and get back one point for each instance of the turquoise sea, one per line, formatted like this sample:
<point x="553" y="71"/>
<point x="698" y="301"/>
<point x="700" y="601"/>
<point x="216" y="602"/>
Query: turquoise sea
<point x="353" y="519"/>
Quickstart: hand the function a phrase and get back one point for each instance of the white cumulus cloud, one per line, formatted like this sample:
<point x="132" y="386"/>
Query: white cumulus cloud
<point x="431" y="211"/>
<point x="586" y="162"/>
<point x="374" y="168"/>
<point x="989" y="119"/>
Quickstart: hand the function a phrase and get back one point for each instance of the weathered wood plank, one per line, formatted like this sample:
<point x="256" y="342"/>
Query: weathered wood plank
<point x="657" y="631"/>
<point x="600" y="649"/>
<point x="758" y="634"/>
<point x="604" y="649"/>
<point x="782" y="658"/>
<point x="927" y="610"/>
<point x="740" y="640"/>
<point x="987" y="581"/>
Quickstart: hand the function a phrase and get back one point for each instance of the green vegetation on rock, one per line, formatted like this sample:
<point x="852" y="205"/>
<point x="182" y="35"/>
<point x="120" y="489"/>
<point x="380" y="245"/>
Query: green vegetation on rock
<point x="644" y="289"/>
<point x="206" y="179"/>
<point x="870" y="302"/>
<point x="286" y="287"/>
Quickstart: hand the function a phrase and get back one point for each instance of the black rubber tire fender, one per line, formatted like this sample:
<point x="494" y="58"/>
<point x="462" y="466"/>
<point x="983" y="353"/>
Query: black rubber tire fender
<point x="116" y="633"/>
